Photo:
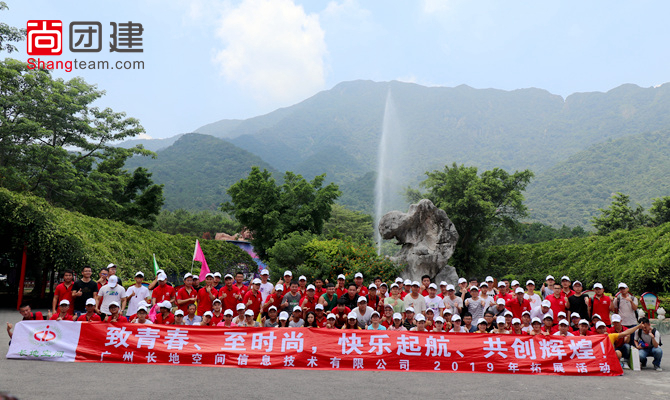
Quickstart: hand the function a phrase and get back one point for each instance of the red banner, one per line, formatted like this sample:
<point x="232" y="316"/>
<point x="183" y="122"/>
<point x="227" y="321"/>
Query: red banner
<point x="328" y="349"/>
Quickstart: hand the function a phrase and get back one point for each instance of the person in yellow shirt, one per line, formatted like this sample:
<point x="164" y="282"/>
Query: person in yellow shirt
<point x="601" y="329"/>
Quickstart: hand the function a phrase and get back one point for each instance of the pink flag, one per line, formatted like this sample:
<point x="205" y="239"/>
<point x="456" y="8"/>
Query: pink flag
<point x="199" y="256"/>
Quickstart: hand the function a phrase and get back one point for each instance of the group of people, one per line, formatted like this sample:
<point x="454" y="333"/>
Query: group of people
<point x="561" y="308"/>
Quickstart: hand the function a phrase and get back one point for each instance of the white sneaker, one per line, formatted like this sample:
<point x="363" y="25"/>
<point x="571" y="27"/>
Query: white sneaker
<point x="658" y="369"/>
<point x="625" y="365"/>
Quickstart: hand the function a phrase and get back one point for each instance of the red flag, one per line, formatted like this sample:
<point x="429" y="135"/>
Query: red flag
<point x="199" y="256"/>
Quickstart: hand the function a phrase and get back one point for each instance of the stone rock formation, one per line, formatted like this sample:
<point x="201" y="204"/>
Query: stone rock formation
<point x="428" y="239"/>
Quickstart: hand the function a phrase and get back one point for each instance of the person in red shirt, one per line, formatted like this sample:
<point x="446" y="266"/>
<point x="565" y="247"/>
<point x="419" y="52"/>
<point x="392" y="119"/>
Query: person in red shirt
<point x="443" y="290"/>
<point x="309" y="301"/>
<point x="239" y="284"/>
<point x="162" y="292"/>
<point x="274" y="299"/>
<point x="229" y="294"/>
<point x="518" y="305"/>
<point x="187" y="294"/>
<point x="425" y="282"/>
<point x="565" y="287"/>
<point x="288" y="276"/>
<point x="217" y="314"/>
<point x="64" y="292"/>
<point x="360" y="288"/>
<point x="63" y="313"/>
<point x="90" y="315"/>
<point x="341" y="312"/>
<point x="102" y="278"/>
<point x="584" y="329"/>
<point x="602" y="304"/>
<point x="114" y="315"/>
<point x="321" y="320"/>
<point x="557" y="300"/>
<point x="373" y="300"/>
<point x="253" y="298"/>
<point x="387" y="318"/>
<point x="207" y="294"/>
<point x="302" y="285"/>
<point x="165" y="317"/>
<point x="503" y="292"/>
<point x="318" y="287"/>
<point x="341" y="288"/>
<point x="549" y="328"/>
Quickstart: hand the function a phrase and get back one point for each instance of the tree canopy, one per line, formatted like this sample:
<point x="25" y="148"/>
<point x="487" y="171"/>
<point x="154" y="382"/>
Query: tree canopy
<point x="271" y="211"/>
<point x="477" y="204"/>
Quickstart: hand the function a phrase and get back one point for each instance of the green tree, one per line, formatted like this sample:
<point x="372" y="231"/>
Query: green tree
<point x="345" y="223"/>
<point x="619" y="215"/>
<point x="55" y="144"/>
<point x="477" y="204"/>
<point x="183" y="222"/>
<point x="660" y="210"/>
<point x="9" y="34"/>
<point x="271" y="212"/>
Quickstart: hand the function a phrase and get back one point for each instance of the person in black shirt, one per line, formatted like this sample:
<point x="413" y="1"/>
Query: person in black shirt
<point x="82" y="290"/>
<point x="351" y="297"/>
<point x="579" y="302"/>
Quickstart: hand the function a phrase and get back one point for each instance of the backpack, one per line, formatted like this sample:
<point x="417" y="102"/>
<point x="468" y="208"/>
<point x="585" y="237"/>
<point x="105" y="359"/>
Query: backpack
<point x="638" y="336"/>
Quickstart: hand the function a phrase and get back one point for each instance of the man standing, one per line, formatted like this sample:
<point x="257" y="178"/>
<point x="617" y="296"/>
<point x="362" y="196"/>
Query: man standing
<point x="360" y="288"/>
<point x="341" y="288"/>
<point x="266" y="287"/>
<point x="83" y="290"/>
<point x="534" y="299"/>
<point x="239" y="284"/>
<point x="253" y="298"/>
<point x="207" y="294"/>
<point x="565" y="287"/>
<point x="557" y="300"/>
<point x="291" y="300"/>
<point x="163" y="292"/>
<point x="602" y="304"/>
<point x="432" y="301"/>
<point x="453" y="302"/>
<point x="64" y="292"/>
<point x="102" y="279"/>
<point x="112" y="292"/>
<point x="228" y="294"/>
<point x="329" y="299"/>
<point x="137" y="293"/>
<point x="187" y="294"/>
<point x="518" y="305"/>
<point x="625" y="305"/>
<point x="415" y="300"/>
<point x="217" y="281"/>
<point x="579" y="302"/>
<point x="350" y="297"/>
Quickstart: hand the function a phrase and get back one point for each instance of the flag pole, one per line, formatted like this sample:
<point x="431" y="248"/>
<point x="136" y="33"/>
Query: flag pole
<point x="194" y="251"/>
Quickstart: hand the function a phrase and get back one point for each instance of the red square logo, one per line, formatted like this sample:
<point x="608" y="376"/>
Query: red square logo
<point x="45" y="37"/>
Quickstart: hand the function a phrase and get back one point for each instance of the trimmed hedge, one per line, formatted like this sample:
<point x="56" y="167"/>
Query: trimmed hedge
<point x="640" y="258"/>
<point x="63" y="239"/>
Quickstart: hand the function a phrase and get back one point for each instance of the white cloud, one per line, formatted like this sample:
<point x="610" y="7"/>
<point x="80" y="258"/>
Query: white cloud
<point x="273" y="49"/>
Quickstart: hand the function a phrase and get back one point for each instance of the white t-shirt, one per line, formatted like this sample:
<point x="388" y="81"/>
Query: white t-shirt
<point x="628" y="316"/>
<point x="463" y="330"/>
<point x="436" y="303"/>
<point x="363" y="318"/>
<point x="109" y="295"/>
<point x="266" y="289"/>
<point x="559" y="334"/>
<point x="537" y="312"/>
<point x="419" y="304"/>
<point x="453" y="304"/>
<point x="534" y="300"/>
<point x="146" y="322"/>
<point x="136" y="295"/>
<point x="488" y="301"/>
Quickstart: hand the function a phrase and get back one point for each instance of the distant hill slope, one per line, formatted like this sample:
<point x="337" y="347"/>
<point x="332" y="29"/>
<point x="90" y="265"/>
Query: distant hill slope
<point x="573" y="190"/>
<point x="151" y="144"/>
<point x="198" y="169"/>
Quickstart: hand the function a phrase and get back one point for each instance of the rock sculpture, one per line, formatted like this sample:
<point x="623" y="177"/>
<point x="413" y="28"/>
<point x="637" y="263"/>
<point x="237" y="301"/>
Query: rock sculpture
<point x="428" y="239"/>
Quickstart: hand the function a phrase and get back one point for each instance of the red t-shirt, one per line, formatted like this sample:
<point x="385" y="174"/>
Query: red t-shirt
<point x="318" y="292"/>
<point x="183" y="294"/>
<point x="256" y="301"/>
<point x="557" y="304"/>
<point x="339" y="291"/>
<point x="162" y="293"/>
<point x="68" y="317"/>
<point x="277" y="300"/>
<point x="602" y="307"/>
<point x="65" y="293"/>
<point x="321" y="323"/>
<point x="518" y="308"/>
<point x="374" y="302"/>
<point x="424" y="293"/>
<point x="242" y="290"/>
<point x="229" y="302"/>
<point x="216" y="319"/>
<point x="120" y="318"/>
<point x="403" y="294"/>
<point x="363" y="291"/>
<point x="553" y="329"/>
<point x="94" y="318"/>
<point x="308" y="302"/>
<point x="35" y="316"/>
<point x="570" y="293"/>
<point x="167" y="321"/>
<point x="506" y="297"/>
<point x="205" y="301"/>
<point x="341" y="318"/>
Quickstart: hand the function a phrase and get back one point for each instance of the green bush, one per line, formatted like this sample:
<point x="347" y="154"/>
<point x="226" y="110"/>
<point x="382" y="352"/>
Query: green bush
<point x="640" y="257"/>
<point x="62" y="239"/>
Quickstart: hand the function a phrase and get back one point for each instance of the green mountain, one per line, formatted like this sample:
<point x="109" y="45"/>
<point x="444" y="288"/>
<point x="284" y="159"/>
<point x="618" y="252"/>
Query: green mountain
<point x="151" y="144"/>
<point x="197" y="170"/>
<point x="573" y="190"/>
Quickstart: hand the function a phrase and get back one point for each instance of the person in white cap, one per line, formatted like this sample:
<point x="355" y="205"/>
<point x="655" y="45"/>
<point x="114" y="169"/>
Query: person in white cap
<point x="542" y="310"/>
<point x="456" y="321"/>
<point x="533" y="298"/>
<point x="583" y="328"/>
<point x="320" y="314"/>
<point x="266" y="286"/>
<point x="142" y="315"/>
<point x="374" y="323"/>
<point x="89" y="315"/>
<point x="626" y="305"/>
<point x="229" y="294"/>
<point x="415" y="300"/>
<point x="114" y="311"/>
<point x="547" y="288"/>
<point x="165" y="316"/>
<point x="179" y="317"/>
<point x="474" y="304"/>
<point x="579" y="302"/>
<point x="363" y="312"/>
<point x="206" y="319"/>
<point x="163" y="292"/>
<point x="420" y="323"/>
<point x="291" y="300"/>
<point x="621" y="344"/>
<point x="557" y="300"/>
<point x="283" y="319"/>
<point x="63" y="291"/>
<point x="484" y="294"/>
<point x="501" y="326"/>
<point x="409" y="322"/>
<point x="394" y="300"/>
<point x="207" y="294"/>
<point x="137" y="293"/>
<point x="360" y="288"/>
<point x="329" y="299"/>
<point x="462" y="288"/>
<point x="406" y="289"/>
<point x="296" y="318"/>
<point x="503" y="291"/>
<point x="186" y="295"/>
<point x="239" y="283"/>
<point x="432" y="301"/>
<point x="330" y="321"/>
<point x="481" y="326"/>
<point x="227" y="320"/>
<point x="518" y="304"/>
<point x="374" y="300"/>
<point x="217" y="280"/>
<point x="275" y="298"/>
<point x="249" y="320"/>
<point x="191" y="318"/>
<point x="111" y="292"/>
<point x="217" y="311"/>
<point x="302" y="283"/>
<point x="272" y="321"/>
<point x="647" y="340"/>
<point x="341" y="287"/>
<point x="63" y="312"/>
<point x="397" y="323"/>
<point x="536" y="327"/>
<point x="602" y="304"/>
<point x="565" y="287"/>
<point x="253" y="298"/>
<point x="452" y="302"/>
<point x="239" y="318"/>
<point x="563" y="329"/>
<point x="286" y="281"/>
<point x="309" y="301"/>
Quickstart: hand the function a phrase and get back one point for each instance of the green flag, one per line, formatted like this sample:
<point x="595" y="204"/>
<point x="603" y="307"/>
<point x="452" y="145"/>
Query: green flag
<point x="155" y="265"/>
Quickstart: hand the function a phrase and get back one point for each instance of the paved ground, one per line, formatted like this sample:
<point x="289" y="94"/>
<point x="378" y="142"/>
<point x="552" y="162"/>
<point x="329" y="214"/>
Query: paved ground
<point x="45" y="380"/>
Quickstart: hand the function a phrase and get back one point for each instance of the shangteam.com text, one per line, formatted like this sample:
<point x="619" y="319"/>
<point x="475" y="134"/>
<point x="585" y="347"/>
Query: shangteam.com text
<point x="68" y="66"/>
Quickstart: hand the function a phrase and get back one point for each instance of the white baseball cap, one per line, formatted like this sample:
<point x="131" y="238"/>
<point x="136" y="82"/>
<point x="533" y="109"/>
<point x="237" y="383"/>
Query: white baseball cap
<point x="450" y="287"/>
<point x="372" y="286"/>
<point x="616" y="318"/>
<point x="439" y="319"/>
<point x="549" y="278"/>
<point x="575" y="315"/>
<point x="341" y="276"/>
<point x="565" y="278"/>
<point x="474" y="288"/>
<point x="562" y="314"/>
<point x="297" y="308"/>
<point x="249" y="313"/>
<point x="416" y="283"/>
<point x="166" y="304"/>
<point x="407" y="282"/>
<point x="455" y="318"/>
<point x="228" y="312"/>
<point x="534" y="320"/>
<point x="265" y="272"/>
<point x="545" y="303"/>
<point x="397" y="315"/>
<point x="489" y="279"/>
<point x="419" y="317"/>
<point x="398" y="280"/>
<point x="596" y="316"/>
<point x="576" y="283"/>
<point x="409" y="309"/>
<point x="500" y="320"/>
<point x="583" y="322"/>
<point x="548" y="316"/>
<point x="216" y="301"/>
<point x="271" y="308"/>
<point x="228" y="276"/>
<point x="90" y="302"/>
<point x="114" y="304"/>
<point x="283" y="316"/>
<point x="564" y="322"/>
<point x="318" y="307"/>
<point x="113" y="280"/>
<point x="358" y="275"/>
<point x="481" y="321"/>
<point x="447" y="311"/>
<point x="161" y="276"/>
<point x="500" y="301"/>
<point x="188" y="275"/>
<point x="240" y="306"/>
<point x="443" y="283"/>
<point x="501" y="284"/>
<point x="622" y="285"/>
<point x="525" y="312"/>
<point x="256" y="281"/>
<point x="432" y="285"/>
<point x="374" y="313"/>
<point x="209" y="274"/>
<point x="508" y="312"/>
<point x="331" y="316"/>
<point x="362" y="299"/>
<point x="217" y="273"/>
<point x="598" y="286"/>
<point x="302" y="278"/>
<point x="142" y="308"/>
<point x="111" y="265"/>
<point x="516" y="321"/>
<point x="311" y="287"/>
<point x="288" y="273"/>
<point x="394" y="285"/>
<point x="483" y="284"/>
<point x="208" y="314"/>
<point x="462" y="280"/>
<point x="514" y="283"/>
<point x="64" y="303"/>
<point x="352" y="315"/>
<point x="139" y="273"/>
<point x="518" y="290"/>
<point x="279" y="287"/>
<point x="178" y="312"/>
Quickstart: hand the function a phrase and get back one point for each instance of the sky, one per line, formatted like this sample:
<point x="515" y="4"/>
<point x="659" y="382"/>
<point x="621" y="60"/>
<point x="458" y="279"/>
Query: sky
<point x="206" y="60"/>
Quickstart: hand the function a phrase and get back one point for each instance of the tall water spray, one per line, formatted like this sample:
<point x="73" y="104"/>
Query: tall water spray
<point x="390" y="162"/>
